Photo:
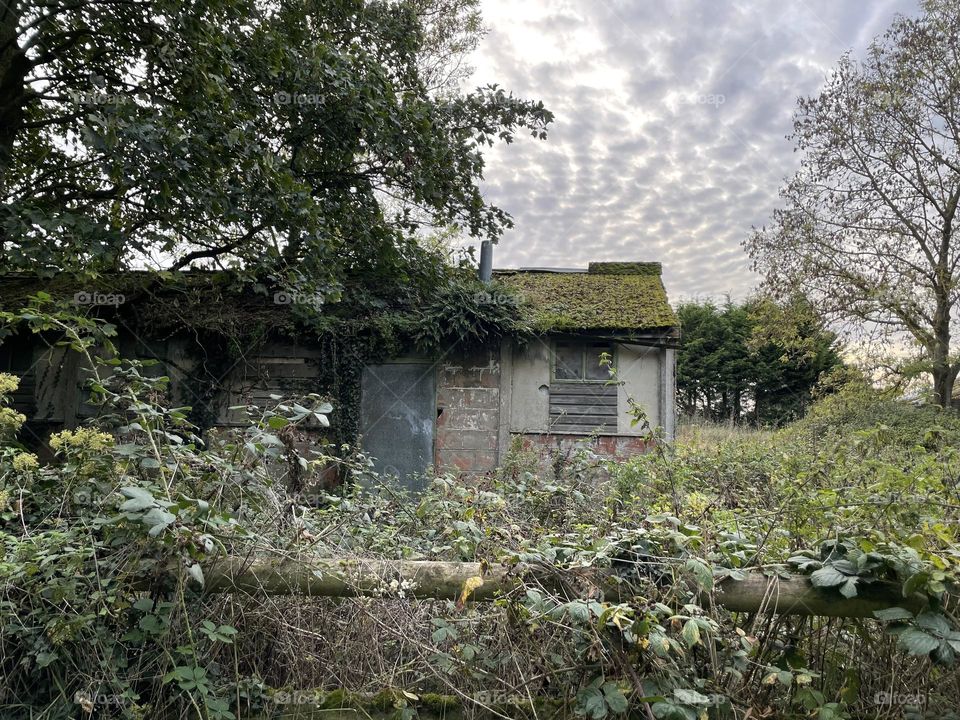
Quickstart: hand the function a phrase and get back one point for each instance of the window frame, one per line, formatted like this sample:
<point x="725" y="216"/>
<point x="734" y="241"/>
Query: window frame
<point x="585" y="346"/>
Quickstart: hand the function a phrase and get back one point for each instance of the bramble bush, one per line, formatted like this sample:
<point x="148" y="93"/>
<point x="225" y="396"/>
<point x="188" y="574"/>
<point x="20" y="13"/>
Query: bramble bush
<point x="106" y="614"/>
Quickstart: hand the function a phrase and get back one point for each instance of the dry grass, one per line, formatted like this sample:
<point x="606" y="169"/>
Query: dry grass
<point x="700" y="434"/>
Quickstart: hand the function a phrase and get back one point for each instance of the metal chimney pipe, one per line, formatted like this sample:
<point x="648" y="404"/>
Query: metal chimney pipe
<point x="486" y="261"/>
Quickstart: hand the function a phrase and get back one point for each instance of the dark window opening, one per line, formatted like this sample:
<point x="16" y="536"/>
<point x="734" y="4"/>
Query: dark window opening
<point x="582" y="362"/>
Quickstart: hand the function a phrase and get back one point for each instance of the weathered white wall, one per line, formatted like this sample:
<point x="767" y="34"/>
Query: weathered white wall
<point x="529" y="386"/>
<point x="647" y="374"/>
<point x="669" y="400"/>
<point x="639" y="370"/>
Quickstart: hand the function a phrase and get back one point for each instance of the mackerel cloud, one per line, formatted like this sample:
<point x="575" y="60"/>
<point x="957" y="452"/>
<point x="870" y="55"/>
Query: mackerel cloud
<point x="669" y="140"/>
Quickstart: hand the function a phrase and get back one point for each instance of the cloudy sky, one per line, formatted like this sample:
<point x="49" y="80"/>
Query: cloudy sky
<point x="671" y="116"/>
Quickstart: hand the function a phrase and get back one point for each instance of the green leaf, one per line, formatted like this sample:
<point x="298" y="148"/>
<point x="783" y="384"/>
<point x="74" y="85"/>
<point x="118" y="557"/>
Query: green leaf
<point x="804" y="563"/>
<point x="914" y="583"/>
<point x="45" y="658"/>
<point x="944" y="654"/>
<point x="917" y="642"/>
<point x="894" y="613"/>
<point x="934" y="622"/>
<point x="579" y="611"/>
<point x="136" y="492"/>
<point x="849" y="588"/>
<point x="827" y="577"/>
<point x="136" y="504"/>
<point x="670" y="711"/>
<point x="691" y="632"/>
<point x="158" y="519"/>
<point x="615" y="698"/>
<point x="701" y="572"/>
<point x="593" y="703"/>
<point x="151" y="624"/>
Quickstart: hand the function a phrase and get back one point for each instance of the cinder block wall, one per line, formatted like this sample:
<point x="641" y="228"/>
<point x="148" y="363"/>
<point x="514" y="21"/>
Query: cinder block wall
<point x="468" y="412"/>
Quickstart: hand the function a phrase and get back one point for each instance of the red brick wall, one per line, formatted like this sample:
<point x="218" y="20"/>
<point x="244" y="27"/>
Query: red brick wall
<point x="468" y="402"/>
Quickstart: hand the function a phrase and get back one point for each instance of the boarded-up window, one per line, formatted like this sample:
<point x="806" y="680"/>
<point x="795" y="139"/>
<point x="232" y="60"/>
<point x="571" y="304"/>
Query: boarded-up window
<point x="581" y="400"/>
<point x="286" y="372"/>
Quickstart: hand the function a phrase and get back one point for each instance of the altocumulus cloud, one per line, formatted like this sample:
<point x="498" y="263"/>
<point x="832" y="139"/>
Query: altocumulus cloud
<point x="669" y="141"/>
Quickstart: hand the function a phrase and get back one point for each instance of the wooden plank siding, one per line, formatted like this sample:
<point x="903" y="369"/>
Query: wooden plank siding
<point x="583" y="407"/>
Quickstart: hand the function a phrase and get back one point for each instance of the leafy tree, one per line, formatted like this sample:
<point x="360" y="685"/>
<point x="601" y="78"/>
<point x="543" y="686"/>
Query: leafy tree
<point x="757" y="361"/>
<point x="296" y="134"/>
<point x="792" y="352"/>
<point x="712" y="361"/>
<point x="867" y="227"/>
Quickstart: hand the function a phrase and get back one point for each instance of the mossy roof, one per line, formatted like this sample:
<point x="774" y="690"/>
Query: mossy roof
<point x="611" y="296"/>
<point x="198" y="300"/>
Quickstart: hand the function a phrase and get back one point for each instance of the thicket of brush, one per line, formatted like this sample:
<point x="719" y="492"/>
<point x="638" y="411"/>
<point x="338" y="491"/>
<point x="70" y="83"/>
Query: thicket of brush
<point x="105" y="614"/>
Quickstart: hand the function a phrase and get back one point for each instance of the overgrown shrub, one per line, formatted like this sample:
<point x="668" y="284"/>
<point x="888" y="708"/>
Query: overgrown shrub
<point x="109" y="549"/>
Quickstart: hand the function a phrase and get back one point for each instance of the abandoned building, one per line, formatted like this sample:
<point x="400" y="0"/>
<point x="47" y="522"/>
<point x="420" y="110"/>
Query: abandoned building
<point x="597" y="370"/>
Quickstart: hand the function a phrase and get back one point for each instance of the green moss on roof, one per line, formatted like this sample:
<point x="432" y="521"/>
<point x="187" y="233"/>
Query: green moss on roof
<point x="593" y="301"/>
<point x="160" y="302"/>
<point x="624" y="268"/>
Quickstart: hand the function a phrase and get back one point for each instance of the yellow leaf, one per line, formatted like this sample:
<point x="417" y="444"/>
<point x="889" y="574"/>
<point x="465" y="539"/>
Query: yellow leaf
<point x="471" y="584"/>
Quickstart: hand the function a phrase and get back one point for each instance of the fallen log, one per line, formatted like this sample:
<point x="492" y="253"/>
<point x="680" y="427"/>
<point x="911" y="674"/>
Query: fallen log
<point x="422" y="579"/>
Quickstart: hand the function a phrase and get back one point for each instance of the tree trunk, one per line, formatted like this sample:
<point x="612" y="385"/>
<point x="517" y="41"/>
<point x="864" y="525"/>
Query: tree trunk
<point x="14" y="67"/>
<point x="792" y="595"/>
<point x="944" y="379"/>
<point x="944" y="375"/>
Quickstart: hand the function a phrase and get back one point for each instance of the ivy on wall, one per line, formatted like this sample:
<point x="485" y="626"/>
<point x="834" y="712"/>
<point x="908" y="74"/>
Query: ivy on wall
<point x="229" y="319"/>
